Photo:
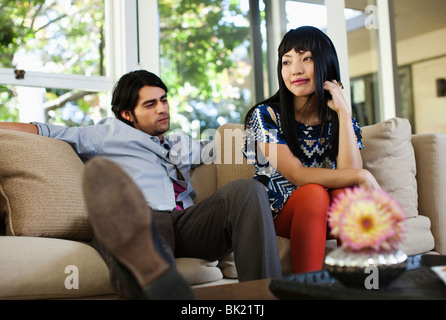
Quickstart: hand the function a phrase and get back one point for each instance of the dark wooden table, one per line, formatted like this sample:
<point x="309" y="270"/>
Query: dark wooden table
<point x="249" y="290"/>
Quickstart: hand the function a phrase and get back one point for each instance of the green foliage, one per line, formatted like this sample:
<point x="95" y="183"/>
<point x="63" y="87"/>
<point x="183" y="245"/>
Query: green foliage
<point x="204" y="49"/>
<point x="204" y="54"/>
<point x="66" y="36"/>
<point x="15" y="28"/>
<point x="7" y="112"/>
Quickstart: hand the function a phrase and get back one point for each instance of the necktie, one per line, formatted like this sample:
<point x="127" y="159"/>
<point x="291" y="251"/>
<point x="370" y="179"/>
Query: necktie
<point x="179" y="174"/>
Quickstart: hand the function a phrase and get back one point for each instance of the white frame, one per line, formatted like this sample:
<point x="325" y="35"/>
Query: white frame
<point x="149" y="36"/>
<point x="388" y="71"/>
<point x="337" y="31"/>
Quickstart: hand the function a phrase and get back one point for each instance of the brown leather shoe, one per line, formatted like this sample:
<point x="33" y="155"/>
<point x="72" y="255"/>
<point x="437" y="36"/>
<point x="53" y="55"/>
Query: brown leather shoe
<point x="123" y="225"/>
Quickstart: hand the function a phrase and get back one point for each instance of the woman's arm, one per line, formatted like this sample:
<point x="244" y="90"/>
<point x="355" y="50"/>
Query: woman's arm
<point x="17" y="126"/>
<point x="290" y="167"/>
<point x="349" y="156"/>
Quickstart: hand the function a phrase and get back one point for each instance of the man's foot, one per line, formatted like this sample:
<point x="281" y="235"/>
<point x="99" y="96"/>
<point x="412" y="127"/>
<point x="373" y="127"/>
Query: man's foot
<point x="123" y="226"/>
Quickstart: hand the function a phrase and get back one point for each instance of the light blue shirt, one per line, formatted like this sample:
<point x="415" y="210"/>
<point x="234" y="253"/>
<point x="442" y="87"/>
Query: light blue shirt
<point x="140" y="155"/>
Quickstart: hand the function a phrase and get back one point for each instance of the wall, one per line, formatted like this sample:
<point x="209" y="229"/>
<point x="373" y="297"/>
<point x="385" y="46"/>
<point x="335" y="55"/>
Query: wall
<point x="430" y="110"/>
<point x="427" y="56"/>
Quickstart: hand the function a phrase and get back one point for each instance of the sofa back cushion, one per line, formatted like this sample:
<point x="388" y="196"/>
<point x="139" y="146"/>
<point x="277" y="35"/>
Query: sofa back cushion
<point x="430" y="152"/>
<point x="41" y="188"/>
<point x="230" y="162"/>
<point x="389" y="155"/>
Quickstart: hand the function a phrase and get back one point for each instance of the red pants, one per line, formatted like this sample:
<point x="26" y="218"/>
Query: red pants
<point x="303" y="220"/>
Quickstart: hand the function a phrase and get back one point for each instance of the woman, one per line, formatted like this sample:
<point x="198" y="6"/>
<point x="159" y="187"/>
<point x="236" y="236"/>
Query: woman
<point x="298" y="136"/>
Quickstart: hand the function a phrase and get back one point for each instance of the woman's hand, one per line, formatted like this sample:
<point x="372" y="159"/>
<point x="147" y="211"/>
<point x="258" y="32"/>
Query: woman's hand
<point x="367" y="181"/>
<point x="337" y="102"/>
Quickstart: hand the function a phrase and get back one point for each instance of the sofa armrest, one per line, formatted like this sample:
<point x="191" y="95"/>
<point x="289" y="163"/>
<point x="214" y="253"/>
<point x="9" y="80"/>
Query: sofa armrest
<point x="430" y="154"/>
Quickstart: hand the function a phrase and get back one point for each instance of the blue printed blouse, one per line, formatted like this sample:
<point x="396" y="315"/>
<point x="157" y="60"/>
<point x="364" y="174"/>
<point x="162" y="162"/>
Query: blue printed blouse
<point x="264" y="126"/>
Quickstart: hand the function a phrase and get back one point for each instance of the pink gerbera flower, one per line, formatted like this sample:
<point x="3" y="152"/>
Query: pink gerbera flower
<point x="364" y="219"/>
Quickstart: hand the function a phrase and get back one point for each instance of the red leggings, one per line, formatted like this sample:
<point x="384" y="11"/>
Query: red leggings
<point x="303" y="220"/>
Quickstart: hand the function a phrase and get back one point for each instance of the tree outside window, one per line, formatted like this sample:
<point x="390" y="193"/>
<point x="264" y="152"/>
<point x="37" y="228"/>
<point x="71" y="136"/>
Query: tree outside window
<point x="56" y="36"/>
<point x="205" y="61"/>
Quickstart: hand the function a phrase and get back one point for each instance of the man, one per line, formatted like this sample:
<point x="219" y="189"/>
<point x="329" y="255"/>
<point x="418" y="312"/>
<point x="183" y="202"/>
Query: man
<point x="140" y="200"/>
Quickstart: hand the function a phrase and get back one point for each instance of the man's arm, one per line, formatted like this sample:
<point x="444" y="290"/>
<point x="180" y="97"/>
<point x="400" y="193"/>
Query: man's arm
<point x="17" y="126"/>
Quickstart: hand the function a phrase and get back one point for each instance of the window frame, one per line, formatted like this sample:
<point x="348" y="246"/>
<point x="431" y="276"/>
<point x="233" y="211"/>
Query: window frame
<point x="119" y="34"/>
<point x="132" y="35"/>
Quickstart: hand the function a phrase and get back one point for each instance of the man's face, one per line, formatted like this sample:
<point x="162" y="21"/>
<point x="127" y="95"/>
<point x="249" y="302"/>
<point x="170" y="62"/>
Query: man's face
<point x="151" y="111"/>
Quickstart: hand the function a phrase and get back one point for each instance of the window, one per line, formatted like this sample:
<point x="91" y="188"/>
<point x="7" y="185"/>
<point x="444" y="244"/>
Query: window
<point x="421" y="62"/>
<point x="206" y="61"/>
<point x="55" y="36"/>
<point x="305" y="14"/>
<point x="57" y="43"/>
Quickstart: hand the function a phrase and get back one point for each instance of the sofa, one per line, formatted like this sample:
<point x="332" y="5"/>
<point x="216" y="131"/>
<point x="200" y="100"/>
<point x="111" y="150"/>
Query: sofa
<point x="45" y="250"/>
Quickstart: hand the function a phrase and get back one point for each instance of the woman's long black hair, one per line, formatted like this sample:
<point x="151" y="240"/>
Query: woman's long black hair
<point x="326" y="67"/>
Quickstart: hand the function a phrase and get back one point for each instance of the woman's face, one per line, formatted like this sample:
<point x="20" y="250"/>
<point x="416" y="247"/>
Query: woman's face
<point x="298" y="73"/>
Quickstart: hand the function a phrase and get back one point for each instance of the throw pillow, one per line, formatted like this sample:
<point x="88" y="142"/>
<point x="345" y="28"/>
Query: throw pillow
<point x="389" y="155"/>
<point x="41" y="188"/>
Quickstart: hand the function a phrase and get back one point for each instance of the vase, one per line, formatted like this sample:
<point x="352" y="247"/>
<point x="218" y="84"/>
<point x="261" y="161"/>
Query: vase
<point x="354" y="268"/>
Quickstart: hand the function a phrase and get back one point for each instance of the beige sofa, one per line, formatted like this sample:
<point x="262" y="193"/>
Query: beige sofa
<point x="45" y="234"/>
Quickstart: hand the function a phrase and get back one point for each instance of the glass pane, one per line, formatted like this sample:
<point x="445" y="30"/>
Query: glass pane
<point x="78" y="108"/>
<point x="300" y="13"/>
<point x="60" y="36"/>
<point x="205" y="61"/>
<point x="421" y="54"/>
<point x="8" y="105"/>
<point x="55" y="106"/>
<point x="360" y="40"/>
<point x="363" y="52"/>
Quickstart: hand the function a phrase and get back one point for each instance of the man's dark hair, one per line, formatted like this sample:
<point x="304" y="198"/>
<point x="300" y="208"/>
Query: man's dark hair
<point x="126" y="91"/>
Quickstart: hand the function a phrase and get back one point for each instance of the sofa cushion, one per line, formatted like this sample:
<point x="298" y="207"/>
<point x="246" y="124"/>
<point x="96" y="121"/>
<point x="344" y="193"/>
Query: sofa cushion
<point x="430" y="152"/>
<point x="45" y="268"/>
<point x="198" y="271"/>
<point x="204" y="181"/>
<point x="41" y="188"/>
<point x="388" y="154"/>
<point x="419" y="238"/>
<point x="230" y="162"/>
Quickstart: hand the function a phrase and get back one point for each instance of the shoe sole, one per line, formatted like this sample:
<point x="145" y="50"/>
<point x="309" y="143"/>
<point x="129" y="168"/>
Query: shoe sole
<point x="122" y="223"/>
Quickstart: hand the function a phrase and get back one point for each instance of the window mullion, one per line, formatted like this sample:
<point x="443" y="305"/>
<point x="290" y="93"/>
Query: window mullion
<point x="256" y="49"/>
<point x="388" y="69"/>
<point x="149" y="36"/>
<point x="276" y="22"/>
<point x="337" y="31"/>
<point x="124" y="31"/>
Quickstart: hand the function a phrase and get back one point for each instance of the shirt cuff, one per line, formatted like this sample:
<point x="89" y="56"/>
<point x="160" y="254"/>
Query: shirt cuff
<point x="43" y="129"/>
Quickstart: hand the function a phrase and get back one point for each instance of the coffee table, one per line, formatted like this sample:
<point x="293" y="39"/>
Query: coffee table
<point x="418" y="282"/>
<point x="249" y="290"/>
